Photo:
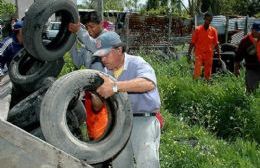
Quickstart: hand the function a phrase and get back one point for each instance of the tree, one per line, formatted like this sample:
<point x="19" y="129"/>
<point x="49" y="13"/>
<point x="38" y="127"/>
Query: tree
<point x="152" y="4"/>
<point x="6" y="10"/>
<point x="231" y="7"/>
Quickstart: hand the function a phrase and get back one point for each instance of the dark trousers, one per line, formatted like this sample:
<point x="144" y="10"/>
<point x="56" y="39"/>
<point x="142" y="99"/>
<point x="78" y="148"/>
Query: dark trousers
<point x="252" y="79"/>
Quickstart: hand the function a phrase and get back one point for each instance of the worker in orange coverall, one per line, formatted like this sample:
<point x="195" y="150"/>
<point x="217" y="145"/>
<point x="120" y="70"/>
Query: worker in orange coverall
<point x="204" y="40"/>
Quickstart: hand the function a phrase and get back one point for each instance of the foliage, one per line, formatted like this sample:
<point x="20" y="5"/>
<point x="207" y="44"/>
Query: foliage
<point x="113" y="5"/>
<point x="221" y="106"/>
<point x="68" y="66"/>
<point x="152" y="4"/>
<point x="192" y="146"/>
<point x="6" y="10"/>
<point x="233" y="7"/>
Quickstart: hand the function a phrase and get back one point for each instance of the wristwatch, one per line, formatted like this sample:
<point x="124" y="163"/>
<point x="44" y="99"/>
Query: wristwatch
<point x="115" y="88"/>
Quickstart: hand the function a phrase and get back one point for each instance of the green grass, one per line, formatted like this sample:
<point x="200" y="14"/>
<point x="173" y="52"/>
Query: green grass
<point x="178" y="148"/>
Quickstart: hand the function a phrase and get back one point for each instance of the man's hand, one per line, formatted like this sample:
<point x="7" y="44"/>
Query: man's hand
<point x="74" y="27"/>
<point x="106" y="89"/>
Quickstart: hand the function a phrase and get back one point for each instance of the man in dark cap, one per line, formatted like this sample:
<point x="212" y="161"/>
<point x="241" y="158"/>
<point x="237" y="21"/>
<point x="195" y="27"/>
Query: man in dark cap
<point x="8" y="49"/>
<point x="10" y="46"/>
<point x="249" y="49"/>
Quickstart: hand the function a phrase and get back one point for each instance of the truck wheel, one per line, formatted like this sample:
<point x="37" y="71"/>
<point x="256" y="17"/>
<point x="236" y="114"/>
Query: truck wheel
<point x="35" y="23"/>
<point x="27" y="71"/>
<point x="26" y="112"/>
<point x="228" y="47"/>
<point x="56" y="130"/>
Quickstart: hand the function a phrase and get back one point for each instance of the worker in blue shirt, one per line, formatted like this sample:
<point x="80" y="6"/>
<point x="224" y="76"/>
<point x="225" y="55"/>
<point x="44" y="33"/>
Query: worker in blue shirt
<point x="10" y="46"/>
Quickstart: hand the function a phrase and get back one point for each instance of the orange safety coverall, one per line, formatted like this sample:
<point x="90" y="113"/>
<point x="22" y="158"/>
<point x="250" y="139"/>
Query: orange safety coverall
<point x="96" y="121"/>
<point x="204" y="42"/>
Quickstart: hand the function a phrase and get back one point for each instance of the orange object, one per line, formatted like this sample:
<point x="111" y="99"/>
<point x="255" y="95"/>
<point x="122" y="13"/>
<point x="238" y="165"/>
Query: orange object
<point x="204" y="41"/>
<point x="204" y="59"/>
<point x="96" y="121"/>
<point x="160" y="119"/>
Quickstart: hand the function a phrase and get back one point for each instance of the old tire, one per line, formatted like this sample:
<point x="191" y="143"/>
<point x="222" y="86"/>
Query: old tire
<point x="26" y="112"/>
<point x="28" y="72"/>
<point x="228" y="47"/>
<point x="229" y="57"/>
<point x="36" y="18"/>
<point x="56" y="131"/>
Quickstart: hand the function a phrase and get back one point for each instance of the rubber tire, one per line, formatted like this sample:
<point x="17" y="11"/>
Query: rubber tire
<point x="38" y="133"/>
<point x="53" y="118"/>
<point x="228" y="47"/>
<point x="26" y="112"/>
<point x="36" y="18"/>
<point x="77" y="115"/>
<point x="28" y="72"/>
<point x="229" y="58"/>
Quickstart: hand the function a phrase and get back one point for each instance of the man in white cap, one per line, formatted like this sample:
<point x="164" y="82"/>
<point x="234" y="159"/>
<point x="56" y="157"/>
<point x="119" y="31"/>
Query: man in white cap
<point x="249" y="49"/>
<point x="136" y="77"/>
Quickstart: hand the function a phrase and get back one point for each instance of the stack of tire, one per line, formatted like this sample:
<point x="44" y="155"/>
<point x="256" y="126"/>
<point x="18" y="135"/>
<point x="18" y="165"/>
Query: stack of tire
<point x="227" y="53"/>
<point x="51" y="108"/>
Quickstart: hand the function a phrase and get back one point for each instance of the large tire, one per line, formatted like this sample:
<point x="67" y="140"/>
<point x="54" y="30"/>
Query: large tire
<point x="28" y="72"/>
<point x="56" y="131"/>
<point x="228" y="47"/>
<point x="229" y="57"/>
<point x="36" y="18"/>
<point x="218" y="67"/>
<point x="25" y="114"/>
<point x="76" y="115"/>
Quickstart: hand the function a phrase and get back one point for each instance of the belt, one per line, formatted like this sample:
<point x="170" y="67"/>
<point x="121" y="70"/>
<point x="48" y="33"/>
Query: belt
<point x="144" y="114"/>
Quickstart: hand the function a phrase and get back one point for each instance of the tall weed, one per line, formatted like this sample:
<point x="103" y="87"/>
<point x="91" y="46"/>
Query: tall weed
<point x="222" y="106"/>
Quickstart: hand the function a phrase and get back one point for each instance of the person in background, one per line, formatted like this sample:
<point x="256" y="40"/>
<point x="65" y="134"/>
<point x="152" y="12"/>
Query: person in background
<point x="136" y="77"/>
<point x="87" y="32"/>
<point x="204" y="40"/>
<point x="10" y="46"/>
<point x="249" y="49"/>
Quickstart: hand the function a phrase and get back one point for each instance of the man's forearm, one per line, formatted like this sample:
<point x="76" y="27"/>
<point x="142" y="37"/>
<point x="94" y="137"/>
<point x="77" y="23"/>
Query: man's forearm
<point x="138" y="85"/>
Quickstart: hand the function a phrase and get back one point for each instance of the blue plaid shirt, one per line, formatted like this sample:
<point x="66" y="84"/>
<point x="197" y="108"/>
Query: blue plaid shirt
<point x="8" y="49"/>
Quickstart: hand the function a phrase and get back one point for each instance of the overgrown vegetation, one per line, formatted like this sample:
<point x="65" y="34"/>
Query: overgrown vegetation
<point x="212" y="124"/>
<point x="6" y="10"/>
<point x="221" y="106"/>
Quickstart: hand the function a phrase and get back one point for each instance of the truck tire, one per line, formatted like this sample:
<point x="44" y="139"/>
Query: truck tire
<point x="228" y="47"/>
<point x="36" y="18"/>
<point x="56" y="131"/>
<point x="25" y="114"/>
<point x="27" y="71"/>
<point x="76" y="115"/>
<point x="219" y="66"/>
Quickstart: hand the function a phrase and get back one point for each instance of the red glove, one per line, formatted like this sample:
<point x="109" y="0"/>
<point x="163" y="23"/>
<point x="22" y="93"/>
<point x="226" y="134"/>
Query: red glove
<point x="160" y="119"/>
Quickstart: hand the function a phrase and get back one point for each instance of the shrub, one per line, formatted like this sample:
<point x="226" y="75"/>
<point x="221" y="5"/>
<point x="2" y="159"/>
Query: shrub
<point x="221" y="106"/>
